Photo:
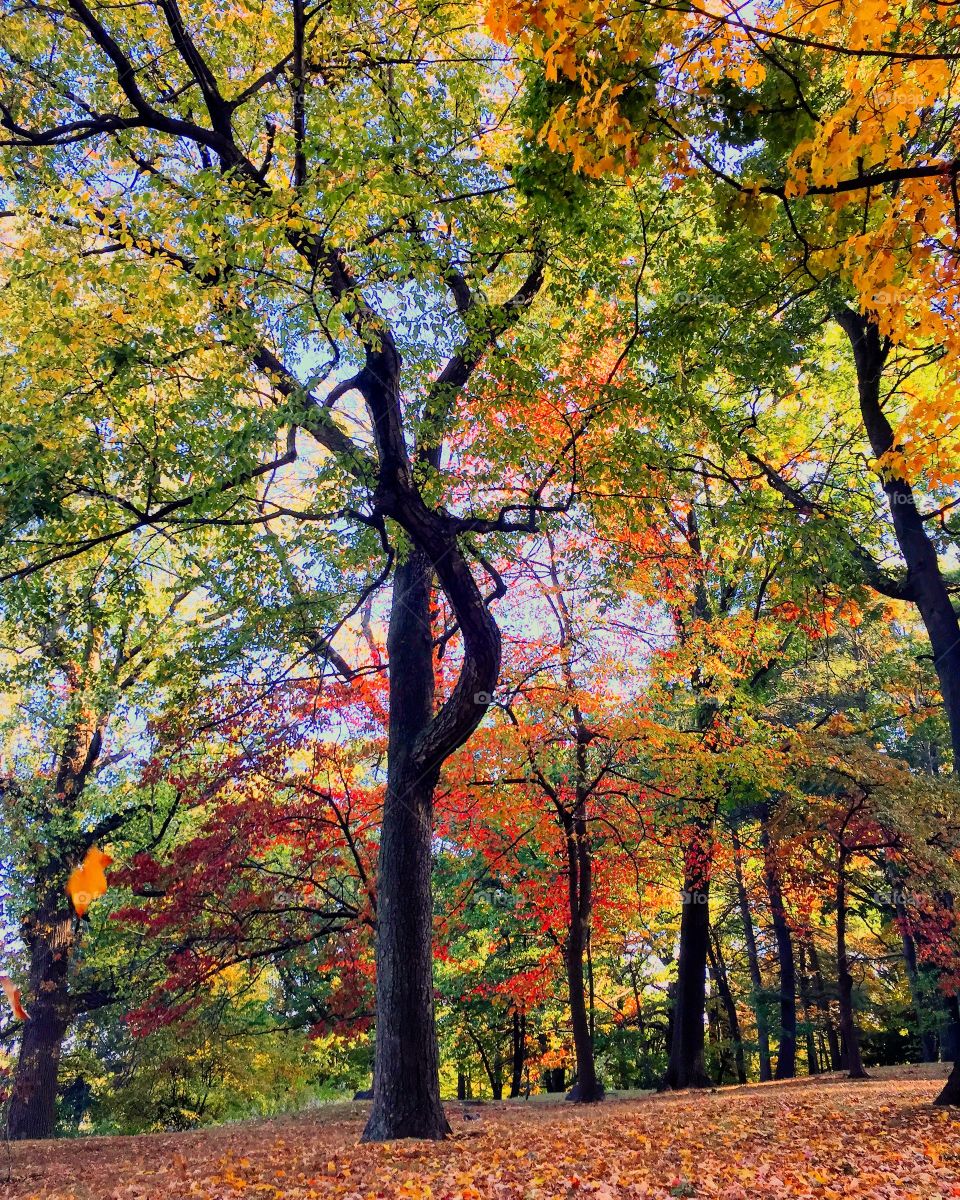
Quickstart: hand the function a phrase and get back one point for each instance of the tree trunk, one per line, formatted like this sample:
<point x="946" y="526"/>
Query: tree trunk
<point x="33" y="1101"/>
<point x="406" y="1086"/>
<point x="519" y="1043"/>
<point x="496" y="1079"/>
<point x="753" y="962"/>
<point x="580" y="898"/>
<point x="555" y="1079"/>
<point x="813" y="1062"/>
<point x="719" y="970"/>
<point x="787" y="1048"/>
<point x="950" y="1029"/>
<point x="686" y="1068"/>
<point x="928" y="1039"/>
<point x="951" y="1089"/>
<point x="848" y="1024"/>
<point x="719" y="1056"/>
<point x="928" y="588"/>
<point x="823" y="1004"/>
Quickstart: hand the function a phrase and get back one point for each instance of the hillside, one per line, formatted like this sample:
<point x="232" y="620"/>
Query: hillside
<point x="817" y="1138"/>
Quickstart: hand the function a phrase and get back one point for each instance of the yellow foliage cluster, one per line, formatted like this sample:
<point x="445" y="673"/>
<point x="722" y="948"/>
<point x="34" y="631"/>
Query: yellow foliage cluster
<point x="881" y="199"/>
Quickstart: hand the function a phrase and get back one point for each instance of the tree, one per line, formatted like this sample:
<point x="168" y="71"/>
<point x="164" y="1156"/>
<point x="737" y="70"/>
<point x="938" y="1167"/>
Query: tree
<point x="80" y="651"/>
<point x="563" y="751"/>
<point x="300" y="237"/>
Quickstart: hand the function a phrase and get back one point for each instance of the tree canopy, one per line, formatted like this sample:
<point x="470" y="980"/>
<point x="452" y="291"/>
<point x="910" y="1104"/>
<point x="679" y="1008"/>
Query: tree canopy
<point x="480" y="501"/>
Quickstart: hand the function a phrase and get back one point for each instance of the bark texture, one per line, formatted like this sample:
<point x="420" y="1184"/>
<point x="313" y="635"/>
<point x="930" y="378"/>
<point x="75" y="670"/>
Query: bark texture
<point x="686" y="1067"/>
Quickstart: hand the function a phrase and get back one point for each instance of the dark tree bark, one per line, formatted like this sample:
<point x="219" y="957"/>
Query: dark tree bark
<point x="927" y="587"/>
<point x="753" y="963"/>
<point x="580" y="901"/>
<point x="49" y="930"/>
<point x="33" y="1102"/>
<point x="554" y="1078"/>
<point x="950" y="1095"/>
<point x="925" y="580"/>
<point x="406" y="1087"/>
<point x="848" y="1024"/>
<point x="908" y="949"/>
<point x="519" y="1047"/>
<point x="813" y="1061"/>
<point x="787" y="1043"/>
<point x="719" y="1057"/>
<point x="686" y="1067"/>
<point x="718" y="970"/>
<point x="573" y="820"/>
<point x="823" y="1004"/>
<point x="496" y="1079"/>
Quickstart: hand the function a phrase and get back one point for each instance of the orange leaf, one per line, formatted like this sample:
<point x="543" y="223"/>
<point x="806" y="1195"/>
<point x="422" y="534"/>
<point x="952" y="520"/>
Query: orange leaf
<point x="88" y="881"/>
<point x="13" y="995"/>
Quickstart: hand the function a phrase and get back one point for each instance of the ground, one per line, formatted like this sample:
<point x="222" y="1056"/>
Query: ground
<point x="823" y="1138"/>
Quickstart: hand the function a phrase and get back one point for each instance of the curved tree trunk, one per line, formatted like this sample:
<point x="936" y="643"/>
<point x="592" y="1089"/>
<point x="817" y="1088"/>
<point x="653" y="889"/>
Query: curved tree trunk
<point x="686" y="1067"/>
<point x="927" y="586"/>
<point x="718" y="969"/>
<point x="406" y="1088"/>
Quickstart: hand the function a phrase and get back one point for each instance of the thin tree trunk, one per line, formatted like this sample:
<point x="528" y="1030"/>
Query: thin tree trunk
<point x="753" y="963"/>
<point x="718" y="1054"/>
<point x="950" y="1028"/>
<point x="579" y="896"/>
<point x="719" y="971"/>
<point x="519" y="1043"/>
<point x="848" y="1024"/>
<point x="496" y="1082"/>
<point x="908" y="948"/>
<point x="686" y="1068"/>
<point x="823" y="1004"/>
<point x="813" y="1062"/>
<point x="787" y="1047"/>
<point x="406" y="1087"/>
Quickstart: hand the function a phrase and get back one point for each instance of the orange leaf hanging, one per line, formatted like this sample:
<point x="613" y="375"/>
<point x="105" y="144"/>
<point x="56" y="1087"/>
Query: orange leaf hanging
<point x="88" y="881"/>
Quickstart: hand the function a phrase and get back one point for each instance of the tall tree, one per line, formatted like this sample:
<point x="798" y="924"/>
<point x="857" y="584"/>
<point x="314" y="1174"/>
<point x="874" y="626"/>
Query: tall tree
<point x="362" y="282"/>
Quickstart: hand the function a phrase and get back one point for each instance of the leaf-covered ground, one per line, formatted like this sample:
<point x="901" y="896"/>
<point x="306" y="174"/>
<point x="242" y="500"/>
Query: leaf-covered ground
<point x="821" y="1138"/>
